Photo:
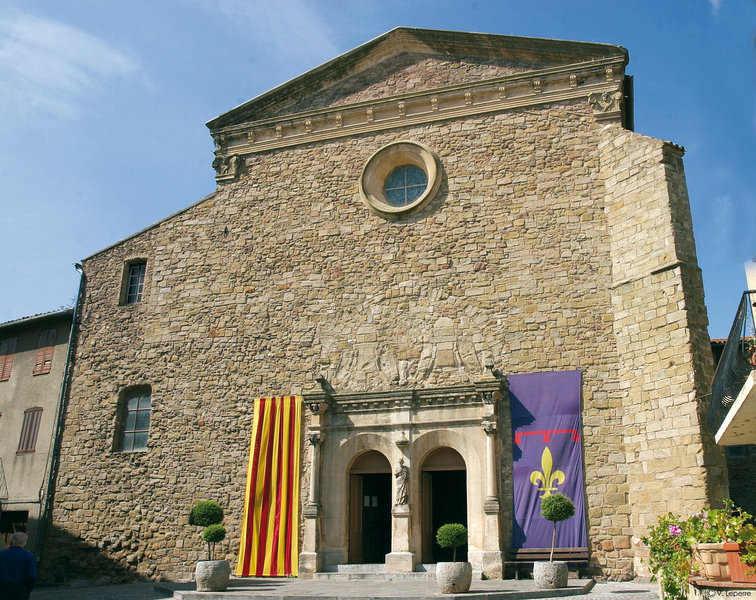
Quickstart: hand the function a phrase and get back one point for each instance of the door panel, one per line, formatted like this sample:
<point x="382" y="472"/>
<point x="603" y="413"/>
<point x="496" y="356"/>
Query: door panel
<point x="355" y="519"/>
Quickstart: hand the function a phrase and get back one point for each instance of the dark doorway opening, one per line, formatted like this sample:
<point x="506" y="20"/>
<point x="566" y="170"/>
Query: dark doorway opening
<point x="376" y="517"/>
<point x="12" y="521"/>
<point x="449" y="498"/>
<point x="444" y="500"/>
<point x="370" y="509"/>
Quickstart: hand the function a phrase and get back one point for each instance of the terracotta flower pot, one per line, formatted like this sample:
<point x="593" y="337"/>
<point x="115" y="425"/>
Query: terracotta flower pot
<point x="712" y="561"/>
<point x="453" y="577"/>
<point x="738" y="568"/>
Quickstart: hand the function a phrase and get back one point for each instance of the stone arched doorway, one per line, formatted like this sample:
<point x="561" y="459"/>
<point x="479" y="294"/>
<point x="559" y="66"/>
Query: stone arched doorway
<point x="444" y="500"/>
<point x="370" y="508"/>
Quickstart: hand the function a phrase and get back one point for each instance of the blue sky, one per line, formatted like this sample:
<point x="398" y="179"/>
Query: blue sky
<point x="103" y="105"/>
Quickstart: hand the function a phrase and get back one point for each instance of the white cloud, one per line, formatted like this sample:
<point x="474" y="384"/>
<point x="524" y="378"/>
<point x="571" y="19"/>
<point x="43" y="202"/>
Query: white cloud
<point x="715" y="4"/>
<point x="48" y="66"/>
<point x="290" y="30"/>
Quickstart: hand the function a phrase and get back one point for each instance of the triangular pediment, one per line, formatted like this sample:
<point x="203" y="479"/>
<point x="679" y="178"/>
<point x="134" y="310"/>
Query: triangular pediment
<point x="407" y="60"/>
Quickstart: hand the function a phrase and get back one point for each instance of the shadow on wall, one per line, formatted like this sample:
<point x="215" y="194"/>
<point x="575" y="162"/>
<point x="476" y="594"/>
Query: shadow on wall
<point x="66" y="557"/>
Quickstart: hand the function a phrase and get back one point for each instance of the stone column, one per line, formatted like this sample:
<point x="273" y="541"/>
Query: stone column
<point x="490" y="428"/>
<point x="491" y="558"/>
<point x="315" y="436"/>
<point x="309" y="557"/>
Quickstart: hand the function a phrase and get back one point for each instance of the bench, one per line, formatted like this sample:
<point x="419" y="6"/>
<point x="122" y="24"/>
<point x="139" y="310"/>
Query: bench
<point x="524" y="557"/>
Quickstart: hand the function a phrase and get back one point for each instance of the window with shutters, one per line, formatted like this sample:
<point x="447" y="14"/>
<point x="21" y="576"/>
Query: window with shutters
<point x="7" y="350"/>
<point x="133" y="283"/>
<point x="29" y="430"/>
<point x="43" y="364"/>
<point x="136" y="406"/>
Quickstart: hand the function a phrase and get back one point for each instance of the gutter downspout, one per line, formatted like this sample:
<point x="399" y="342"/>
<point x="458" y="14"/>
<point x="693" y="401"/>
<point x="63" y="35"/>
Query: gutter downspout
<point x="62" y="405"/>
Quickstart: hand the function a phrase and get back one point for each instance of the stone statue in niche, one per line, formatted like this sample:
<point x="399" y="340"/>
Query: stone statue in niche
<point x="402" y="481"/>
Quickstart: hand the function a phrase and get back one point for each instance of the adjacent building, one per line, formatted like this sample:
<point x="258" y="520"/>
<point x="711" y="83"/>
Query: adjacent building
<point x="435" y="248"/>
<point x="33" y="362"/>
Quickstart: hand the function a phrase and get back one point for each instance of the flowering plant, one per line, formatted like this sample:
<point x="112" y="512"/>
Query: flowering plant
<point x="670" y="547"/>
<point x="672" y="540"/>
<point x="749" y="350"/>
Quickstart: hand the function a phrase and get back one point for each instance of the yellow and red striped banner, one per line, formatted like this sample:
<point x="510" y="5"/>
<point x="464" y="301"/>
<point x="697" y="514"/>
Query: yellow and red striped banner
<point x="270" y="530"/>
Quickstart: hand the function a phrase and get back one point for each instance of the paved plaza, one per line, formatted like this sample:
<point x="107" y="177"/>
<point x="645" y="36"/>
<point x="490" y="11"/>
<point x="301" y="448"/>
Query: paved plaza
<point x="290" y="589"/>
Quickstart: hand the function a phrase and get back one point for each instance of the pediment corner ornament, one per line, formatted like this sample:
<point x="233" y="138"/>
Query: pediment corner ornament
<point x="226" y="167"/>
<point x="606" y="105"/>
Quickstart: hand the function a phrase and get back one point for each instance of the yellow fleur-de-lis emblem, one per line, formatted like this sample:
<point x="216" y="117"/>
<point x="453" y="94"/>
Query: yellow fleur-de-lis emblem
<point x="548" y="479"/>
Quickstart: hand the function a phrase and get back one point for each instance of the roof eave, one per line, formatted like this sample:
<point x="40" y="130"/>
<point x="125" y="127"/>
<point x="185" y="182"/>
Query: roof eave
<point x="54" y="315"/>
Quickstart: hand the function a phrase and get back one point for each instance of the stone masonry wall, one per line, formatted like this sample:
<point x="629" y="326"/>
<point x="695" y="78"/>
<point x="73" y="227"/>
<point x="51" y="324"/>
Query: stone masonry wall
<point x="660" y="323"/>
<point x="284" y="274"/>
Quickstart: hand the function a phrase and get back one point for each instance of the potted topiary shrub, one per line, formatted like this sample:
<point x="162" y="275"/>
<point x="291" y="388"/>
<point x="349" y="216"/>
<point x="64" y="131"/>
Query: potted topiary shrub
<point x="549" y="575"/>
<point x="453" y="577"/>
<point x="211" y="575"/>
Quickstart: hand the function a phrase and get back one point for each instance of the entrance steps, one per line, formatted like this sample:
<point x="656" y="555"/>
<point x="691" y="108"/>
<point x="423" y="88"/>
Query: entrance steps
<point x="377" y="572"/>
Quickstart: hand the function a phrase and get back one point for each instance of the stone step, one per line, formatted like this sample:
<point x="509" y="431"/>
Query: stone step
<point x="377" y="572"/>
<point x="373" y="576"/>
<point x="366" y="568"/>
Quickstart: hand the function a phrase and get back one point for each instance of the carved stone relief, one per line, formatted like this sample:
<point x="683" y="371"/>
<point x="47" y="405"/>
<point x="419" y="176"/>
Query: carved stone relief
<point x="226" y="167"/>
<point x="371" y="361"/>
<point x="605" y="102"/>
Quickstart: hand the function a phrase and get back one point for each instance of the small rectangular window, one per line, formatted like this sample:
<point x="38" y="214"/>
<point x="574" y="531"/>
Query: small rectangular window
<point x="135" y="283"/>
<point x="43" y="364"/>
<point x="28" y="441"/>
<point x="136" y="419"/>
<point x="7" y="349"/>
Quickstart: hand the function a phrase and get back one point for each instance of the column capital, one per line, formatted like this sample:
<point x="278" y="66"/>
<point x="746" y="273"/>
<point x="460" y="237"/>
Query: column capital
<point x="489" y="426"/>
<point x="315" y="437"/>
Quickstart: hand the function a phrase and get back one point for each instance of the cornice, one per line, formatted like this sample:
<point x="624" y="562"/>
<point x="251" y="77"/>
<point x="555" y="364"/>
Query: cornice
<point x="599" y="80"/>
<point x="478" y="393"/>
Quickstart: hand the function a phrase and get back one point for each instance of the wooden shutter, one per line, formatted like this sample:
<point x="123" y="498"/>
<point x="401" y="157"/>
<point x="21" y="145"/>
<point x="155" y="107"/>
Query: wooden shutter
<point x="45" y="352"/>
<point x="28" y="441"/>
<point x="7" y="349"/>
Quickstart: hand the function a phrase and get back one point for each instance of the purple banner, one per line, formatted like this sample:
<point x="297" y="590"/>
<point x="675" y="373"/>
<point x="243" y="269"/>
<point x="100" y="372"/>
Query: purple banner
<point x="547" y="456"/>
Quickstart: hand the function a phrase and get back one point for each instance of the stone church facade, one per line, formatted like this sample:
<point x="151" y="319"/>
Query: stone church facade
<point x="393" y="234"/>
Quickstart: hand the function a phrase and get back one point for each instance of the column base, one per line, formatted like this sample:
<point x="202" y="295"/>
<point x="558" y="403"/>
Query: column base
<point x="400" y="562"/>
<point x="309" y="563"/>
<point x="490" y="563"/>
<point x="491" y="505"/>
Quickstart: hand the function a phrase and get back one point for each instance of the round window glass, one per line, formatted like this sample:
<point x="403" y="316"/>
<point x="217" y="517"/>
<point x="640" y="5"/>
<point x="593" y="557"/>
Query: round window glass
<point x="405" y="185"/>
<point x="400" y="179"/>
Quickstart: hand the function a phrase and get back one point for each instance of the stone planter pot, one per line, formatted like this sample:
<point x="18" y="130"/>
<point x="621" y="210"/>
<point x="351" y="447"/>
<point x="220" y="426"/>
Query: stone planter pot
<point x="550" y="575"/>
<point x="212" y="575"/>
<point x="712" y="561"/>
<point x="453" y="577"/>
<point x="738" y="568"/>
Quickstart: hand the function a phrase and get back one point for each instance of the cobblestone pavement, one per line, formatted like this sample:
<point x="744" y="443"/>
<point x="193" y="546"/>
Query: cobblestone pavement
<point x="147" y="591"/>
